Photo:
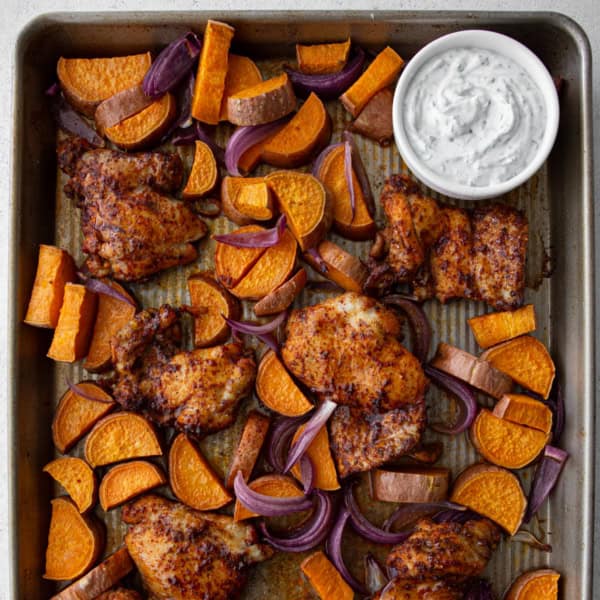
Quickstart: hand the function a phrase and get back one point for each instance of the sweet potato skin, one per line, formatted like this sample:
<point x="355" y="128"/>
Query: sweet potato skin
<point x="410" y="485"/>
<point x="321" y="59"/>
<point x="325" y="578"/>
<point x="494" y="328"/>
<point x="535" y="585"/>
<point x="242" y="73"/>
<point x="524" y="410"/>
<point x="230" y="187"/>
<point x="375" y="119"/>
<point x="279" y="486"/>
<point x="77" y="478"/>
<point x="282" y="297"/>
<point x="204" y="174"/>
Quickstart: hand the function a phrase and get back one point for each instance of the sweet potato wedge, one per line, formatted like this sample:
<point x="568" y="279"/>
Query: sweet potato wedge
<point x="75" y="541"/>
<point x="300" y="139"/>
<point x="77" y="478"/>
<point x="192" y="479"/>
<point x="278" y="486"/>
<point x="86" y="82"/>
<point x="76" y="415"/>
<point x="282" y="297"/>
<point x="264" y="102"/>
<point x="121" y="106"/>
<point x="248" y="448"/>
<point x="255" y="201"/>
<point x="112" y="315"/>
<point x="101" y="578"/>
<point x="270" y="271"/>
<point x="319" y="453"/>
<point x="305" y="203"/>
<point x="525" y="360"/>
<point x="342" y="267"/>
<point x="494" y="328"/>
<point x="242" y="73"/>
<point x="541" y="584"/>
<point x="410" y="485"/>
<point x="493" y="492"/>
<point x="332" y="175"/>
<point x="204" y="173"/>
<point x="277" y="390"/>
<point x="524" y="410"/>
<point x="252" y="157"/>
<point x="124" y="482"/>
<point x="230" y="187"/>
<point x="55" y="269"/>
<point x="477" y="371"/>
<point x="325" y="578"/>
<point x="375" y="119"/>
<point x="121" y="436"/>
<point x="504" y="443"/>
<point x="206" y="293"/>
<point x="212" y="72"/>
<point x="379" y="74"/>
<point x="73" y="331"/>
<point x="320" y="59"/>
<point x="231" y="263"/>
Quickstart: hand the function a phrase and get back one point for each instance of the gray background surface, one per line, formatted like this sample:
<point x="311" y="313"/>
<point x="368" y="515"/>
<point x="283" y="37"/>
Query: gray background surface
<point x="17" y="13"/>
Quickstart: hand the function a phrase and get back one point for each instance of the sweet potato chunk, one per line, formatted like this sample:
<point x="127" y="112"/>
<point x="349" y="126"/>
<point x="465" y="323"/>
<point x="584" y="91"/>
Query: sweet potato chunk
<point x="319" y="453"/>
<point x="278" y="486"/>
<point x="494" y="328"/>
<point x="342" y="267"/>
<point x="121" y="436"/>
<point x="231" y="263"/>
<point x="121" y="106"/>
<point x="192" y="479"/>
<point x="242" y="73"/>
<point x="85" y="82"/>
<point x="332" y="175"/>
<point x="75" y="324"/>
<point x="493" y="492"/>
<point x="124" y="482"/>
<point x="524" y="410"/>
<point x="305" y="203"/>
<point x="282" y="297"/>
<point x="277" y="389"/>
<point x="75" y="541"/>
<point x="527" y="361"/>
<point x="55" y="269"/>
<point x="216" y="302"/>
<point x="230" y="188"/>
<point x="541" y="584"/>
<point x="410" y="485"/>
<point x="270" y="271"/>
<point x="379" y="74"/>
<point x="300" y="139"/>
<point x="255" y="201"/>
<point x="76" y="415"/>
<point x="212" y="72"/>
<point x="477" y="371"/>
<point x="504" y="443"/>
<point x="320" y="59"/>
<point x="262" y="103"/>
<point x="375" y="119"/>
<point x="325" y="578"/>
<point x="247" y="451"/>
<point x="101" y="578"/>
<point x="204" y="173"/>
<point x="112" y="315"/>
<point x="78" y="479"/>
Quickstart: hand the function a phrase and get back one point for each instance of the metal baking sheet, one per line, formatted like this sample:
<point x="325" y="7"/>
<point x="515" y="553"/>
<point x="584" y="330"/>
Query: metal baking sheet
<point x="557" y="201"/>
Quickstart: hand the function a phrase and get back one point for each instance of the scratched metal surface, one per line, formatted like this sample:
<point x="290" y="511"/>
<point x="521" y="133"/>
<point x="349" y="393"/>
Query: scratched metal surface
<point x="280" y="577"/>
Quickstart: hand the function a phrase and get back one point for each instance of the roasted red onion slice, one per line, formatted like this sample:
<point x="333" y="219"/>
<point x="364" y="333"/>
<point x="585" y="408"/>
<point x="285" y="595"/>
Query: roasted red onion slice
<point x="545" y="478"/>
<point x="456" y="516"/>
<point x="307" y="474"/>
<point x="526" y="537"/>
<point x="280" y="437"/>
<point x="361" y="172"/>
<point x="407" y="514"/>
<point x="558" y="406"/>
<point x="349" y="178"/>
<point x="268" y="506"/>
<point x="375" y="576"/>
<point x="321" y="159"/>
<point x="321" y="264"/>
<point x="328" y="87"/>
<point x="262" y="332"/>
<point x="462" y="391"/>
<point x="418" y="321"/>
<point x="184" y="136"/>
<point x="479" y="589"/>
<point x="70" y="121"/>
<point x="203" y="136"/>
<point x="254" y="239"/>
<point x="53" y="90"/>
<point x="101" y="287"/>
<point x="77" y="389"/>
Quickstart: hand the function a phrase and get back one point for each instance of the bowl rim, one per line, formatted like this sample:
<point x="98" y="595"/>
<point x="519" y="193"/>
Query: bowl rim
<point x="489" y="40"/>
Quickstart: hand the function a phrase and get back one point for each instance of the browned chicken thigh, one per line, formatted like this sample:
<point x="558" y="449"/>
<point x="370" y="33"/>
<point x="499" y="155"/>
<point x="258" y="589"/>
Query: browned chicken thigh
<point x="409" y="589"/>
<point x="185" y="554"/>
<point x="131" y="227"/>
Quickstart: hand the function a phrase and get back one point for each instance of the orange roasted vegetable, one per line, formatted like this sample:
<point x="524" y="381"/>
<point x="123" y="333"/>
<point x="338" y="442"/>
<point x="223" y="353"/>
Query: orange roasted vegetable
<point x="192" y="479"/>
<point x="282" y="297"/>
<point x="242" y="73"/>
<point x="320" y="59"/>
<point x="524" y="410"/>
<point x="204" y="173"/>
<point x="278" y="486"/>
<point x="230" y="187"/>
<point x="494" y="328"/>
<point x="73" y="331"/>
<point x="541" y="584"/>
<point x="325" y="578"/>
<point x="411" y="484"/>
<point x="55" y="269"/>
<point x="254" y="200"/>
<point x="78" y="479"/>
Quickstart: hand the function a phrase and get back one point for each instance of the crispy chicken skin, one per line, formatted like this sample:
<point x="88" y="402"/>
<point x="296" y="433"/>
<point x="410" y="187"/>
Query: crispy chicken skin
<point x="408" y="589"/>
<point x="131" y="227"/>
<point x="196" y="392"/>
<point x="447" y="252"/>
<point x="346" y="349"/>
<point x="185" y="554"/>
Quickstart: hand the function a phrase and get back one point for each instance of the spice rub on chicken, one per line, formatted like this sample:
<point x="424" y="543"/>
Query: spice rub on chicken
<point x="185" y="554"/>
<point x="196" y="392"/>
<point x="447" y="252"/>
<point x="132" y="227"/>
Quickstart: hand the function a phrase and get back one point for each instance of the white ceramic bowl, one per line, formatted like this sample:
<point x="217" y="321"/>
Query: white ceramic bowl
<point x="502" y="44"/>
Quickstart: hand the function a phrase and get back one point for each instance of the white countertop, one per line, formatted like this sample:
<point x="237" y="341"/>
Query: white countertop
<point x="17" y="13"/>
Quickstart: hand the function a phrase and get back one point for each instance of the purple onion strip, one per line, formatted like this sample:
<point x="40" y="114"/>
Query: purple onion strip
<point x="70" y="121"/>
<point x="349" y="178"/>
<point x="406" y="514"/>
<point x="361" y="173"/>
<point x="418" y="321"/>
<point x="77" y="389"/>
<point x="375" y="576"/>
<point x="101" y="287"/>
<point x="254" y="239"/>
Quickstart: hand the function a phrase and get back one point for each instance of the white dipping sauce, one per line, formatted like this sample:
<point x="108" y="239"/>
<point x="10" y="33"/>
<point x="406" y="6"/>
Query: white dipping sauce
<point x="474" y="116"/>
